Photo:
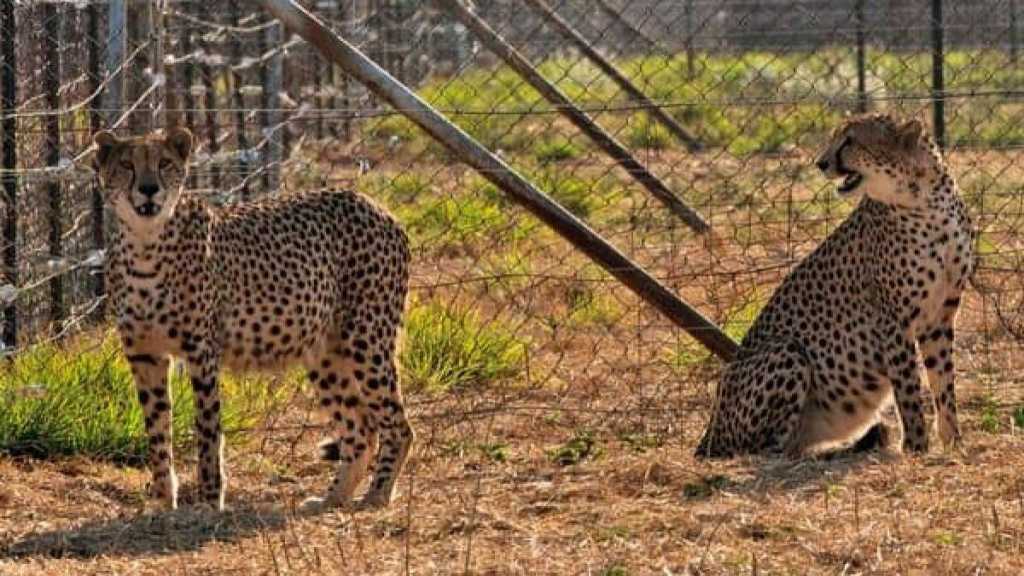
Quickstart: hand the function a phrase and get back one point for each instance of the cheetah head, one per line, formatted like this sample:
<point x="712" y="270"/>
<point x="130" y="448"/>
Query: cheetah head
<point x="143" y="177"/>
<point x="881" y="158"/>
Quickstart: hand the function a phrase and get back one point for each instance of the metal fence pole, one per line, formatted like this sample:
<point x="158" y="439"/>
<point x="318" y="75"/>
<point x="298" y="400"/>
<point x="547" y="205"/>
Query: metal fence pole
<point x="8" y="103"/>
<point x="140" y="30"/>
<point x="238" y="101"/>
<point x="503" y="176"/>
<point x="500" y="47"/>
<point x="95" y="123"/>
<point x="272" y="127"/>
<point x="209" y="104"/>
<point x="188" y="82"/>
<point x="1014" y="38"/>
<point x="938" y="79"/>
<point x="51" y="15"/>
<point x="862" y="90"/>
<point x="113" y="97"/>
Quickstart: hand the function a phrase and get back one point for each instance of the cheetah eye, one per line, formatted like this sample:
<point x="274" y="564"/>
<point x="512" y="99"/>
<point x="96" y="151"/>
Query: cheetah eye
<point x="127" y="164"/>
<point x="166" y="164"/>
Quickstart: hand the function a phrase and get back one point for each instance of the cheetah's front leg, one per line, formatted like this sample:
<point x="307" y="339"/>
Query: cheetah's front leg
<point x="906" y="386"/>
<point x="155" y="398"/>
<point x="937" y="349"/>
<point x="211" y="478"/>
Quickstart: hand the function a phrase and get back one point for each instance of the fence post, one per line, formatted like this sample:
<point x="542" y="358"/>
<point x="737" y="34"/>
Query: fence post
<point x="95" y="123"/>
<point x="188" y="81"/>
<point x="862" y="89"/>
<point x="347" y="14"/>
<point x="140" y="29"/>
<point x="1014" y="39"/>
<point x="500" y="47"/>
<point x="272" y="104"/>
<point x="238" y="102"/>
<point x="53" y="32"/>
<point x="938" y="80"/>
<point x="113" y="97"/>
<point x="690" y="32"/>
<point x="8" y="104"/>
<point x="503" y="176"/>
<point x="209" y="103"/>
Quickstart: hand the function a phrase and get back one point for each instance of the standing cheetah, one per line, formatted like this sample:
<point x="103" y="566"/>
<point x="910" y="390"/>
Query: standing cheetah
<point x="840" y="337"/>
<point x="318" y="279"/>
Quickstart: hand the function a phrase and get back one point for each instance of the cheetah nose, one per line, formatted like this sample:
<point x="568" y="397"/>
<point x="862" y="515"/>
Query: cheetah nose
<point x="148" y="190"/>
<point x="823" y="164"/>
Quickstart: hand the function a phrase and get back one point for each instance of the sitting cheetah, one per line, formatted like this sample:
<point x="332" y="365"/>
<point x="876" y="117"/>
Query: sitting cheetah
<point x="840" y="337"/>
<point x="318" y="279"/>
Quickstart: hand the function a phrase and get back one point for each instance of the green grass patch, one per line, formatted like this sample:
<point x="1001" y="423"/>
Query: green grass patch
<point x="451" y="349"/>
<point x="58" y="401"/>
<point x="581" y="446"/>
<point x="647" y="134"/>
<point x="557" y="149"/>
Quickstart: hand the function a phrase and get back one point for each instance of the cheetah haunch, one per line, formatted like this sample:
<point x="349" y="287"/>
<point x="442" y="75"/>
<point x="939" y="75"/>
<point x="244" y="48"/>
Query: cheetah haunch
<point x="318" y="279"/>
<point x="839" y="339"/>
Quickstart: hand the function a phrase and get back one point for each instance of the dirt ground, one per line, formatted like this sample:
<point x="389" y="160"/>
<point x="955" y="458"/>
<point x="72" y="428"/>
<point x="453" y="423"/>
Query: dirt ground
<point x="484" y="495"/>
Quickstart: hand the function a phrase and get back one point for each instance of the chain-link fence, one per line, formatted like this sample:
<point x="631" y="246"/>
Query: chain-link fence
<point x="720" y="102"/>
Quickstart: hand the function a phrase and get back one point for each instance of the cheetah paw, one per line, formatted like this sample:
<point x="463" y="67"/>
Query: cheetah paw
<point x="375" y="500"/>
<point x="316" y="505"/>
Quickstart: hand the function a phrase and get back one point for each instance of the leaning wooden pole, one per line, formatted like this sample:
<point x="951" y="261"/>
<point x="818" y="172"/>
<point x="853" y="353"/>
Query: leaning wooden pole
<point x="499" y="46"/>
<point x="377" y="80"/>
<point x="634" y="93"/>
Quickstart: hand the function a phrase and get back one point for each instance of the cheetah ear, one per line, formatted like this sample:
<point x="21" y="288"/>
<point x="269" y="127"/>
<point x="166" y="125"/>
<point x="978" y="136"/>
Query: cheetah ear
<point x="106" y="142"/>
<point x="909" y="134"/>
<point x="179" y="140"/>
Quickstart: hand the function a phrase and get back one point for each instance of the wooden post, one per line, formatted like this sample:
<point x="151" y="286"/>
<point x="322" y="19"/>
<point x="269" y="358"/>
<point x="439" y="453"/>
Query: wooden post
<point x="577" y="39"/>
<point x="9" y="176"/>
<point x="51" y="16"/>
<point x="552" y="94"/>
<point x="354" y="62"/>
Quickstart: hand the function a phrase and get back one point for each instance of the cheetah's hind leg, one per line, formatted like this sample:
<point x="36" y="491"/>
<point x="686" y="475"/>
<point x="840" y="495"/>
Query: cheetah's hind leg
<point x="760" y="403"/>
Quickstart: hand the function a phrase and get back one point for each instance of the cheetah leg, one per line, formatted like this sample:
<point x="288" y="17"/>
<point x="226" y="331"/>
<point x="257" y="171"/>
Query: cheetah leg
<point x="155" y="398"/>
<point x="344" y="380"/>
<point x="937" y="349"/>
<point x="905" y="377"/>
<point x="211" y="477"/>
<point x="397" y="438"/>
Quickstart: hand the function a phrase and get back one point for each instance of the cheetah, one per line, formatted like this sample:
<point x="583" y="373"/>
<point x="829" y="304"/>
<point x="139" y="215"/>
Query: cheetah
<point x="839" y="341"/>
<point x="317" y="279"/>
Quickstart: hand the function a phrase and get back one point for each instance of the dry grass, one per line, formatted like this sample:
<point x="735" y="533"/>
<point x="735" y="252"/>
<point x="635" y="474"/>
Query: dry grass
<point x="642" y="505"/>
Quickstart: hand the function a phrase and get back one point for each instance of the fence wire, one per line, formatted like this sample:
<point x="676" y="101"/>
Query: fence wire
<point x="529" y="332"/>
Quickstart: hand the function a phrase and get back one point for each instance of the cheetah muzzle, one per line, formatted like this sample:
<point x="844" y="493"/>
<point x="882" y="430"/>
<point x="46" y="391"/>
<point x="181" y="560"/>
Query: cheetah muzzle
<point x="316" y="279"/>
<point x="842" y="336"/>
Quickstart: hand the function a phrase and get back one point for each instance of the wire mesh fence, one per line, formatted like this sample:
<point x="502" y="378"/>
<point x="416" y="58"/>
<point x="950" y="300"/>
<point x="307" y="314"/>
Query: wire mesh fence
<point x="723" y="103"/>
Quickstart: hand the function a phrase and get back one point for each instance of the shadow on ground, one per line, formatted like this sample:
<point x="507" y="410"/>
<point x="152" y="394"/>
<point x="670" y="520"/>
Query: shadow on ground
<point x="147" y="534"/>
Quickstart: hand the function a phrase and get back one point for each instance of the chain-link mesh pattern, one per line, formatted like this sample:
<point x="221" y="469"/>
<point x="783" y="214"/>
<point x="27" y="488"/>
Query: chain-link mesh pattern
<point x="548" y="340"/>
